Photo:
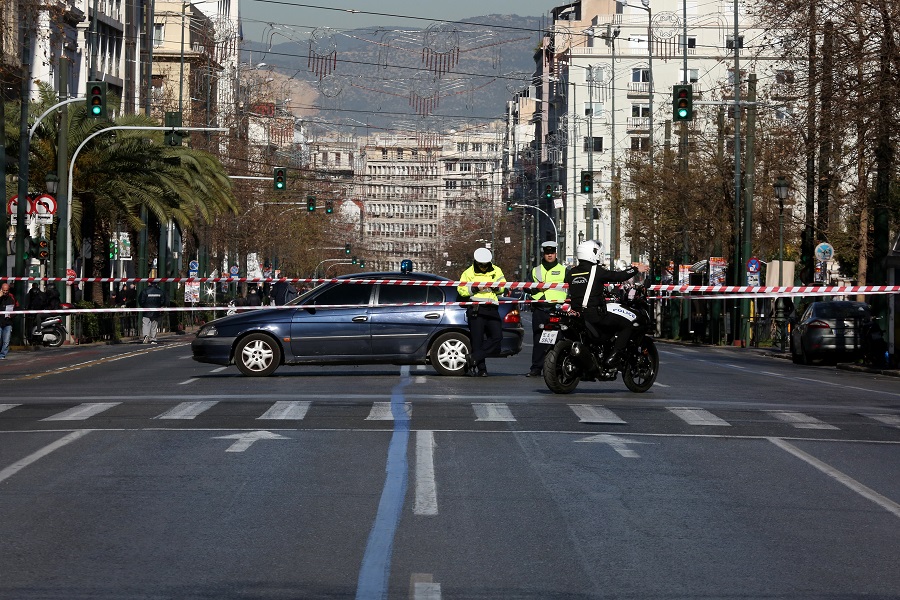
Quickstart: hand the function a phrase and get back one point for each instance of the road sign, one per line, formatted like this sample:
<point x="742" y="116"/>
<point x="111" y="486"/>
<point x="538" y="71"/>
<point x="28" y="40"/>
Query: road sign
<point x="753" y="265"/>
<point x="12" y="209"/>
<point x="824" y="252"/>
<point x="194" y="265"/>
<point x="44" y="207"/>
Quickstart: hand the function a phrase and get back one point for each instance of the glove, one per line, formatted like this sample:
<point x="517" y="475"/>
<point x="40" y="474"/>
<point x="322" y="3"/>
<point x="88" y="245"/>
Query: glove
<point x="632" y="271"/>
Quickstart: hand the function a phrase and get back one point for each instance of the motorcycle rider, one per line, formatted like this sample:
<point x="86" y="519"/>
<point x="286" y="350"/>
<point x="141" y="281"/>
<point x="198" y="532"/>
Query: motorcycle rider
<point x="587" y="281"/>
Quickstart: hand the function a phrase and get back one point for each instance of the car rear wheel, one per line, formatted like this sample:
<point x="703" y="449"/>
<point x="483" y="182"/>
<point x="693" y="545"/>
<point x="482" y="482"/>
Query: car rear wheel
<point x="257" y="355"/>
<point x="449" y="353"/>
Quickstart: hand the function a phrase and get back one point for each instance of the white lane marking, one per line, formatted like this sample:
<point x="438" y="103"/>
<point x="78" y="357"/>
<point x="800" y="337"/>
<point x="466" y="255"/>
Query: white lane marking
<point x="82" y="411"/>
<point x="588" y="413"/>
<point x="426" y="487"/>
<point x="800" y="420"/>
<point x="618" y="444"/>
<point x="7" y="406"/>
<point x="658" y="384"/>
<point x="492" y="411"/>
<point x="892" y="420"/>
<point x="187" y="381"/>
<point x="698" y="416"/>
<point x="286" y="411"/>
<point x="187" y="410"/>
<point x="245" y="440"/>
<point x="219" y="369"/>
<point x="381" y="411"/>
<point x="19" y="465"/>
<point x="424" y="590"/>
<point x="421" y="379"/>
<point x="859" y="488"/>
<point x="737" y="367"/>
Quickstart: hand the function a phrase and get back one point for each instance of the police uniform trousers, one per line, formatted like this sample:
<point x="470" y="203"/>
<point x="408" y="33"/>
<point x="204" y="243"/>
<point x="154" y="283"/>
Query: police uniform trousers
<point x="486" y="331"/>
<point x="540" y="316"/>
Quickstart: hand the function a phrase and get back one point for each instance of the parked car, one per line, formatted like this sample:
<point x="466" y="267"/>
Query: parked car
<point x="830" y="330"/>
<point x="363" y="331"/>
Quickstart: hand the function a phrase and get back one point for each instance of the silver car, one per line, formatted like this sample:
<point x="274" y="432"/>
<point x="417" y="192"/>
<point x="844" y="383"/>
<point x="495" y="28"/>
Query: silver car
<point x="830" y="330"/>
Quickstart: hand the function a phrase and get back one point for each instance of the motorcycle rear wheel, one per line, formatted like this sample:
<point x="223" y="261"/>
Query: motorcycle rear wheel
<point x="561" y="373"/>
<point x="56" y="339"/>
<point x="643" y="366"/>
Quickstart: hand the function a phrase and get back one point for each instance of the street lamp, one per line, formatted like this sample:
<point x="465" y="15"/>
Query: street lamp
<point x="782" y="188"/>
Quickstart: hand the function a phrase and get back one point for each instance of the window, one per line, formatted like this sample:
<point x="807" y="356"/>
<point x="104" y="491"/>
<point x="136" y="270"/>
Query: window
<point x="384" y="153"/>
<point x="640" y="110"/>
<point x="476" y="147"/>
<point x="641" y="144"/>
<point x="158" y="35"/>
<point x="729" y="42"/>
<point x="640" y="75"/>
<point x="593" y="108"/>
<point x="465" y="167"/>
<point x="449" y="184"/>
<point x="596" y="146"/>
<point x="693" y="75"/>
<point x="399" y="152"/>
<point x="353" y="295"/>
<point x="784" y="76"/>
<point x="449" y="167"/>
<point x="731" y="76"/>
<point x="691" y="42"/>
<point x="461" y="146"/>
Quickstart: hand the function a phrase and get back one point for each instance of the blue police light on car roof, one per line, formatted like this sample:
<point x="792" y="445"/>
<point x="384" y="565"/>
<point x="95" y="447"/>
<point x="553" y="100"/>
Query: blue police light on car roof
<point x="406" y="266"/>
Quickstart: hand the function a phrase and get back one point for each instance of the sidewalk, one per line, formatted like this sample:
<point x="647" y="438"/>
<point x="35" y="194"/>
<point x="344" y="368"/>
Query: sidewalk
<point x="786" y="355"/>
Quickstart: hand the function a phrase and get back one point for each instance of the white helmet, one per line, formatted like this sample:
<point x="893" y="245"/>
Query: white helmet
<point x="483" y="255"/>
<point x="589" y="251"/>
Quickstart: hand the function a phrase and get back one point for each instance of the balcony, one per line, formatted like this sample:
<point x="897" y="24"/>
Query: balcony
<point x="638" y="124"/>
<point x="639" y="89"/>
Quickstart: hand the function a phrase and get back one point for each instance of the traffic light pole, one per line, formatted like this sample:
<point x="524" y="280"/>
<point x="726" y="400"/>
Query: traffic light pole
<point x="71" y="176"/>
<point x="555" y="230"/>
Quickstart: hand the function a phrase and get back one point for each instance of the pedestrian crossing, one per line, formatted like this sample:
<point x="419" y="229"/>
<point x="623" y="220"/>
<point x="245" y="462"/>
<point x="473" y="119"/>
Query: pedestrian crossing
<point x="478" y="413"/>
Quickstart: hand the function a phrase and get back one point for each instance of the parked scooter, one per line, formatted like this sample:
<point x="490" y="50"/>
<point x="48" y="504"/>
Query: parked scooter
<point x="50" y="330"/>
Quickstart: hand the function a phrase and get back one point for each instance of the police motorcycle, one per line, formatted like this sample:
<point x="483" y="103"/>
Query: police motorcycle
<point x="578" y="355"/>
<point x="48" y="331"/>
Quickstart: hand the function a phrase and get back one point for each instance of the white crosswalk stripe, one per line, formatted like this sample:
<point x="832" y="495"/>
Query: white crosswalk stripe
<point x="492" y="411"/>
<point x="698" y="416"/>
<point x="892" y="420"/>
<point x="187" y="410"/>
<point x="588" y="413"/>
<point x="82" y="411"/>
<point x="286" y="411"/>
<point x="800" y="420"/>
<point x="8" y="406"/>
<point x="381" y="411"/>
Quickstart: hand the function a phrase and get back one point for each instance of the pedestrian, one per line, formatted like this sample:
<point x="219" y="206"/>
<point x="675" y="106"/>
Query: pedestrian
<point x="483" y="282"/>
<point x="283" y="292"/>
<point x="36" y="299"/>
<point x="7" y="305"/>
<point x="549" y="271"/>
<point x="151" y="297"/>
<point x="587" y="286"/>
<point x="253" y="297"/>
<point x="53" y="300"/>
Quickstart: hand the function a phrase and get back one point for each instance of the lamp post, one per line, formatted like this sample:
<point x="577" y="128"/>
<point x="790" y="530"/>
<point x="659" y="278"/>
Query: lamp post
<point x="781" y="192"/>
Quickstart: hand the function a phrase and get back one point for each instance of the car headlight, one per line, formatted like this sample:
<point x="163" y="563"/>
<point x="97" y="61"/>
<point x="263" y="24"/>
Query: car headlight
<point x="208" y="331"/>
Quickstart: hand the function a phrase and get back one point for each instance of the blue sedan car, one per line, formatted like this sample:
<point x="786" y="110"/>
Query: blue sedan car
<point x="363" y="331"/>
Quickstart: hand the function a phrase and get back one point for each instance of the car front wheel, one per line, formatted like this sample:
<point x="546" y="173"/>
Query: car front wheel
<point x="449" y="353"/>
<point x="257" y="355"/>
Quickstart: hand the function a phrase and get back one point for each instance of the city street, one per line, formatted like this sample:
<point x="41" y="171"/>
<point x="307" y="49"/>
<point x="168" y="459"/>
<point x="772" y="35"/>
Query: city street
<point x="131" y="471"/>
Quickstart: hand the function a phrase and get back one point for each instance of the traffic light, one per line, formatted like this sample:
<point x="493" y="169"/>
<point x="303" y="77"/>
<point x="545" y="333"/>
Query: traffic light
<point x="43" y="248"/>
<point x="96" y="99"/>
<point x="310" y="203"/>
<point x="329" y="206"/>
<point x="113" y="250"/>
<point x="548" y="192"/>
<point x="30" y="248"/>
<point x="682" y="103"/>
<point x="587" y="182"/>
<point x="279" y="178"/>
<point x="362" y="264"/>
<point x="509" y="206"/>
<point x="346" y="248"/>
<point x="173" y="120"/>
<point x="353" y="260"/>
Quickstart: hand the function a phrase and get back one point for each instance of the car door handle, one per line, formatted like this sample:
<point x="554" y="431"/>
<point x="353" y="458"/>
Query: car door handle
<point x="360" y="319"/>
<point x="433" y="316"/>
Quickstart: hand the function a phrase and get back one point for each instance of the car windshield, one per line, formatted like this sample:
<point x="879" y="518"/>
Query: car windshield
<point x="841" y="310"/>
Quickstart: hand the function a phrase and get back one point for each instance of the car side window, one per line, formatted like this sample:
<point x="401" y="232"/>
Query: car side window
<point x="345" y="294"/>
<point x="396" y="294"/>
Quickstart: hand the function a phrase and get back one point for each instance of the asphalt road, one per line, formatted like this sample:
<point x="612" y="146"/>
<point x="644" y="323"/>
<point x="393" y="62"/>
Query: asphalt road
<point x="131" y="471"/>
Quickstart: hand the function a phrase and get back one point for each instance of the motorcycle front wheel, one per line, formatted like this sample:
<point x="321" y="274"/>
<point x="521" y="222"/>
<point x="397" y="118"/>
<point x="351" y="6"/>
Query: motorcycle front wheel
<point x="642" y="367"/>
<point x="561" y="373"/>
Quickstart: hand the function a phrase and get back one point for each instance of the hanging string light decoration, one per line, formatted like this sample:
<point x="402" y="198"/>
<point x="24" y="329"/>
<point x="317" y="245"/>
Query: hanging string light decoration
<point x="441" y="51"/>
<point x="424" y="93"/>
<point x="322" y="52"/>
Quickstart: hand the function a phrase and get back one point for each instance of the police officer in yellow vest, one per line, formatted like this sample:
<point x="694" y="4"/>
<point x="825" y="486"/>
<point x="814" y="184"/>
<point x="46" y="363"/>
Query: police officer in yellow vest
<point x="483" y="284"/>
<point x="549" y="271"/>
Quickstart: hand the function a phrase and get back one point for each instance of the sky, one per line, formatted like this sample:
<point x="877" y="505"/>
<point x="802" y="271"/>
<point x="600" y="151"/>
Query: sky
<point x="256" y="14"/>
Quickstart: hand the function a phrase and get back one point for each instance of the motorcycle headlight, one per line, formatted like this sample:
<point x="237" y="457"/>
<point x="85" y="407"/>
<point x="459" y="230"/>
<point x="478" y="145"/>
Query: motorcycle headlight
<point x="208" y="331"/>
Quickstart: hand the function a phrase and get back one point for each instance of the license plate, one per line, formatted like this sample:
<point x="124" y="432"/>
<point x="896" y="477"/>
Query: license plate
<point x="549" y="337"/>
